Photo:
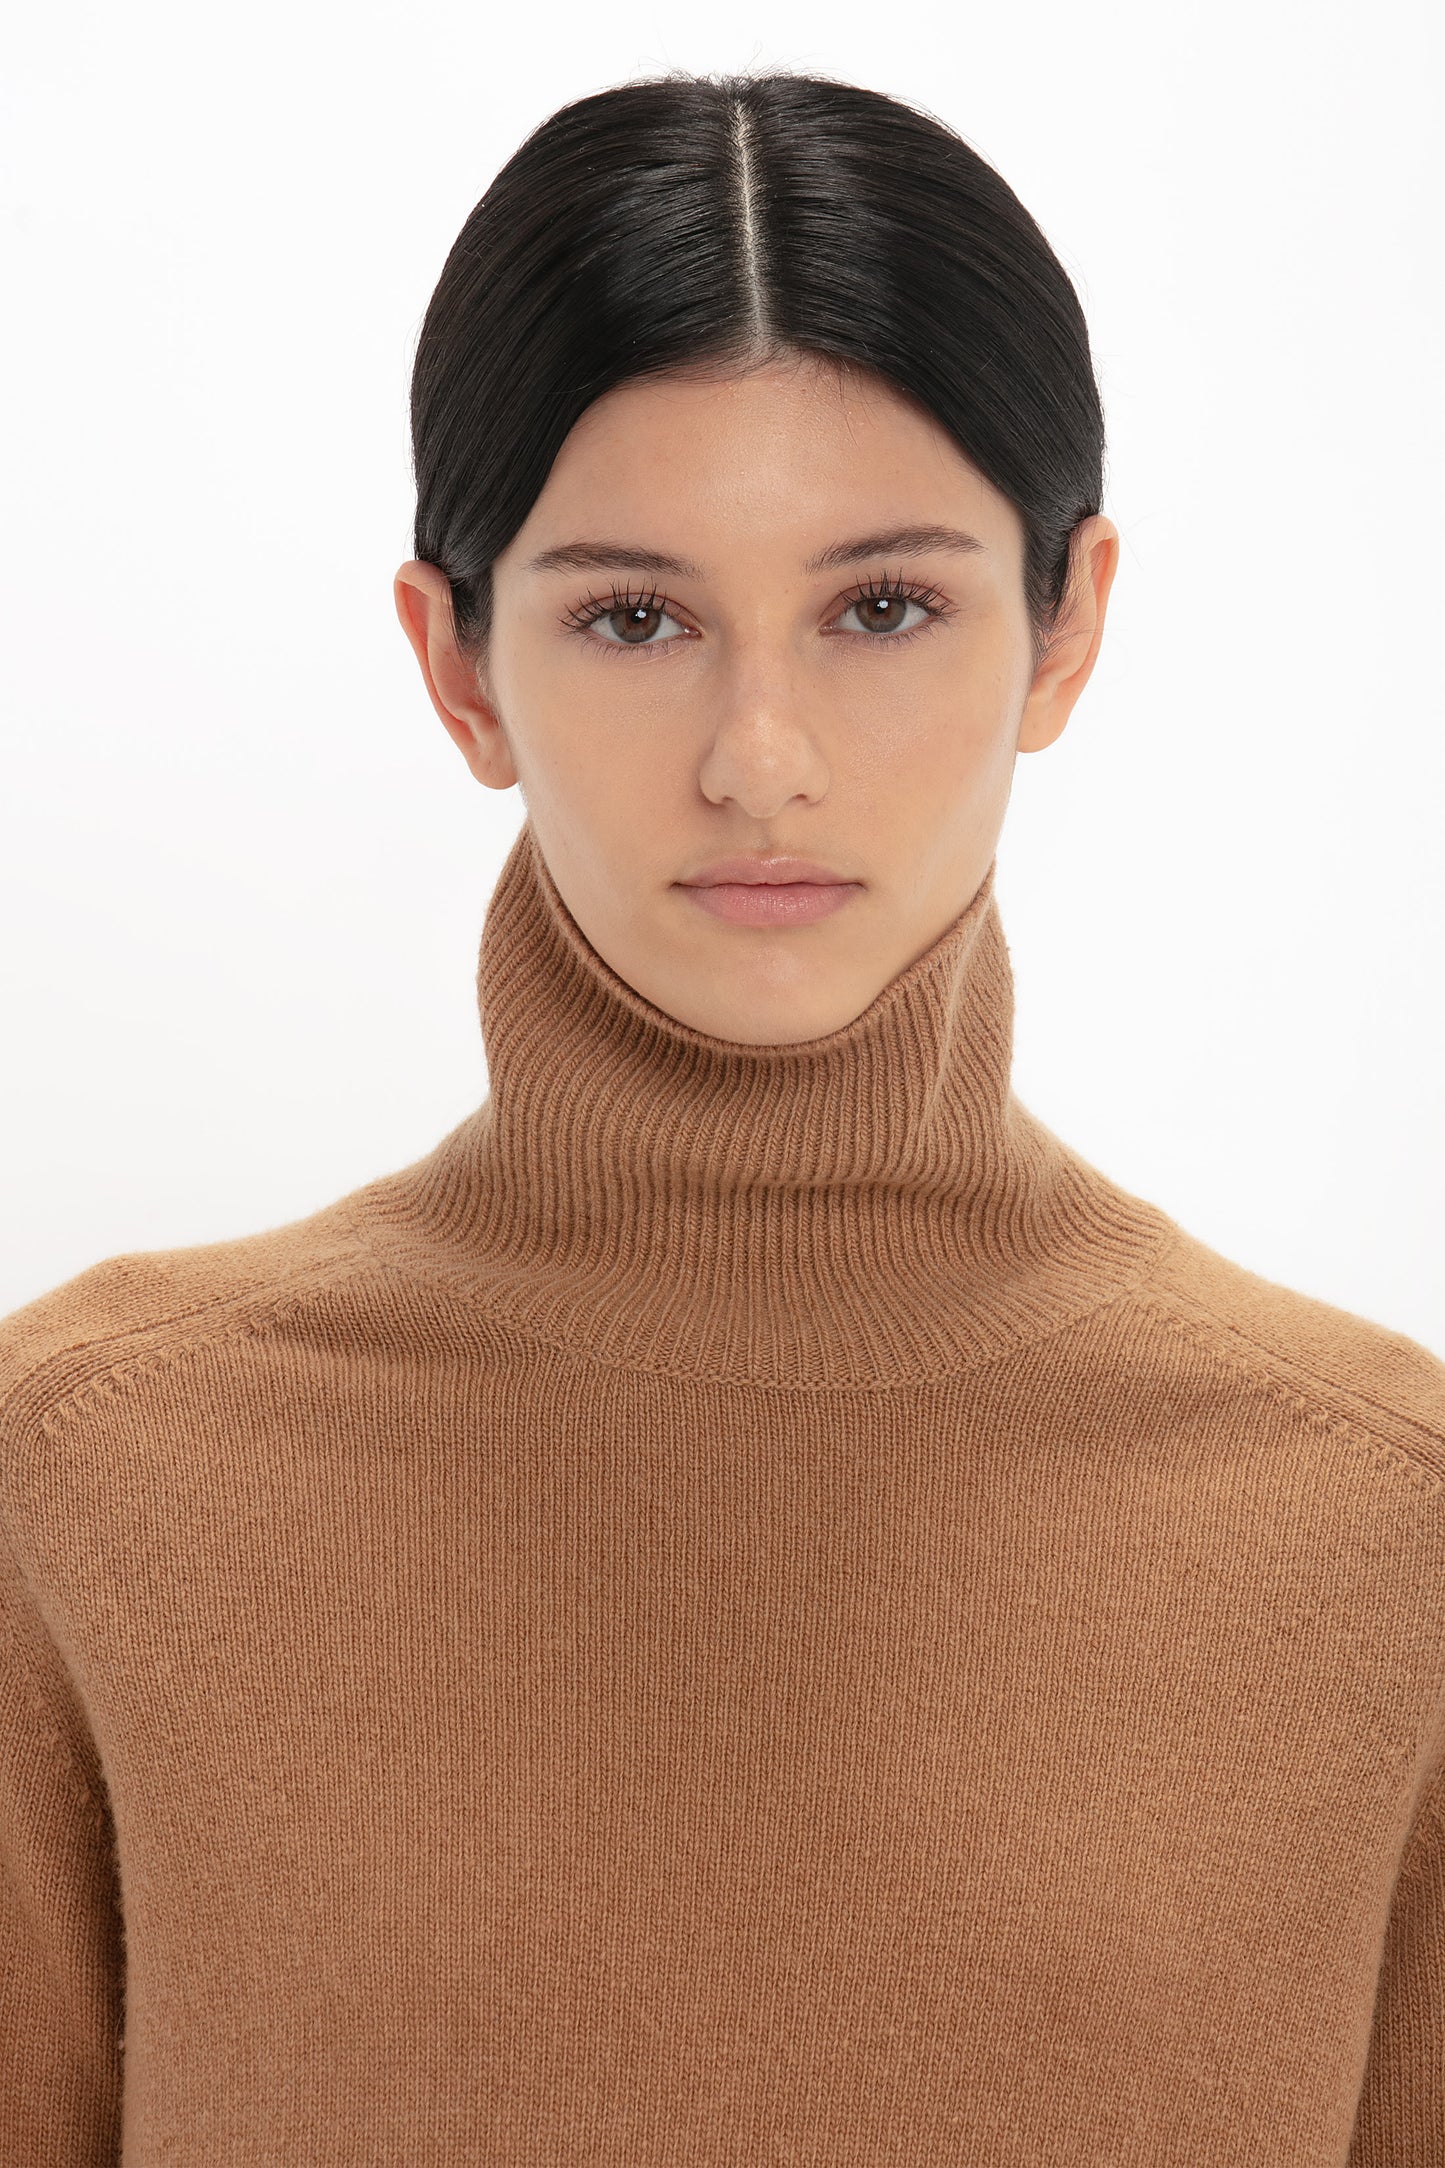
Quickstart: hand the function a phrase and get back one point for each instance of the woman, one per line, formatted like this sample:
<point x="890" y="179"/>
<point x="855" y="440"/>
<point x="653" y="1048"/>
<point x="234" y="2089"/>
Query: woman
<point x="752" y="1605"/>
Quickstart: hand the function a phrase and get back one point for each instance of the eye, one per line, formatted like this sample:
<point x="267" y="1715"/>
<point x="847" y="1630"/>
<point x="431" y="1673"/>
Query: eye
<point x="885" y="614"/>
<point x="628" y="621"/>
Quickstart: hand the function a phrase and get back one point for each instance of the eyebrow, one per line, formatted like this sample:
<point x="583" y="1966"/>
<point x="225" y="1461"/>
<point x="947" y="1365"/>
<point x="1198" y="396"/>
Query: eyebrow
<point x="900" y="541"/>
<point x="628" y="557"/>
<point x="609" y="556"/>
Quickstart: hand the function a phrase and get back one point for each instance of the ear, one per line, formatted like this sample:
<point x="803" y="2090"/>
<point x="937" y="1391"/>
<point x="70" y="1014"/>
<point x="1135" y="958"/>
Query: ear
<point x="424" y="605"/>
<point x="1069" y="659"/>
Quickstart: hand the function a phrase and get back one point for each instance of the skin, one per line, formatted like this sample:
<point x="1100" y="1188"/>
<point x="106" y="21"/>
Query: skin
<point x="761" y="713"/>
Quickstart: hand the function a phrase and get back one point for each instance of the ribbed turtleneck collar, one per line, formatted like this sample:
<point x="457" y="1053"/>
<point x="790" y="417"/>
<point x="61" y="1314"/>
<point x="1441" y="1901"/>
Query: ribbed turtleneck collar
<point x="868" y="1208"/>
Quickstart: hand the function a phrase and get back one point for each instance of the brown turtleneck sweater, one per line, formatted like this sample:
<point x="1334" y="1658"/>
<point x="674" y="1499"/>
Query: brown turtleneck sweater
<point x="751" y="1607"/>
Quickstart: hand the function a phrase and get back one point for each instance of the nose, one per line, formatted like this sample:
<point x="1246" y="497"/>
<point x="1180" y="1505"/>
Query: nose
<point x="762" y="747"/>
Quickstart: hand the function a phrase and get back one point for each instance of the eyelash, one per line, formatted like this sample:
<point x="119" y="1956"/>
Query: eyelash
<point x="898" y="589"/>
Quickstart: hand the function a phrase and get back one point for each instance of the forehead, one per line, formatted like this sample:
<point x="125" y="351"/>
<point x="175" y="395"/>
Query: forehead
<point x="791" y="449"/>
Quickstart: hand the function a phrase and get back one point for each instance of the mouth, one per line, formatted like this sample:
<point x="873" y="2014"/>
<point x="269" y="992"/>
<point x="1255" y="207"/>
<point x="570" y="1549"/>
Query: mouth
<point x="772" y="903"/>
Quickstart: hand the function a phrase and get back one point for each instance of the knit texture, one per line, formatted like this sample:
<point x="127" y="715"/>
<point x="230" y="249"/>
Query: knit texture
<point x="750" y="1607"/>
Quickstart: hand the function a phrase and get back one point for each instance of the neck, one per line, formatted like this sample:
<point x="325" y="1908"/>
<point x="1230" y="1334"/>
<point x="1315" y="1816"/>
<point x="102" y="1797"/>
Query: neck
<point x="870" y="1207"/>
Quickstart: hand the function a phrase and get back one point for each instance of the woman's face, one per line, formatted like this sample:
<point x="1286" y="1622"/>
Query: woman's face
<point x="694" y="656"/>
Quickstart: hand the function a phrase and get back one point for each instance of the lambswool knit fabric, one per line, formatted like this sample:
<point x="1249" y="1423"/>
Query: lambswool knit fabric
<point x="750" y="1607"/>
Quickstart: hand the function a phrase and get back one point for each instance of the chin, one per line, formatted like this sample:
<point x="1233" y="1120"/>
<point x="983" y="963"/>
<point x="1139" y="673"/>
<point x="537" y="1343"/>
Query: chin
<point x="789" y="1023"/>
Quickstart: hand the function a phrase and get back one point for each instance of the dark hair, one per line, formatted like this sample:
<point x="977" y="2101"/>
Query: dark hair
<point x="689" y="220"/>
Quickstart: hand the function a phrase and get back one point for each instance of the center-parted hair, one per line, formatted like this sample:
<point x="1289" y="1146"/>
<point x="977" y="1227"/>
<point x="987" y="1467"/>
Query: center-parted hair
<point x="690" y="221"/>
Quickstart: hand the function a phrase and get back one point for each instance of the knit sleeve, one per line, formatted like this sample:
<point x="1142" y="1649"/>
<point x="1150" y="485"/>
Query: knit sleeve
<point x="1401" y="2115"/>
<point x="61" y="1993"/>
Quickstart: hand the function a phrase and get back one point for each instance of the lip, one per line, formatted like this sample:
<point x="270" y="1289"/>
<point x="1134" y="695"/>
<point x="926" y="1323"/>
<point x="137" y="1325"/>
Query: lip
<point x="772" y="903"/>
<point x="777" y="891"/>
<point x="779" y="869"/>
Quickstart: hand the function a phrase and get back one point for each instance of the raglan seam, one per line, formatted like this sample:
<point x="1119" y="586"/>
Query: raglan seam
<point x="1217" y="1338"/>
<point x="1429" y="1817"/>
<point x="61" y="1754"/>
<point x="1183" y="1307"/>
<point x="61" y="1751"/>
<point x="272" y="1303"/>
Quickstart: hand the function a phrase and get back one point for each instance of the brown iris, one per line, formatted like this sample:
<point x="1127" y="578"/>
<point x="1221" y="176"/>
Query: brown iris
<point x="636" y="624"/>
<point x="884" y="611"/>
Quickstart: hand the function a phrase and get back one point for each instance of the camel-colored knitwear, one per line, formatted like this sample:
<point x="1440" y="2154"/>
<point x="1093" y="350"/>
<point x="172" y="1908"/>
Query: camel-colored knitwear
<point x="751" y="1607"/>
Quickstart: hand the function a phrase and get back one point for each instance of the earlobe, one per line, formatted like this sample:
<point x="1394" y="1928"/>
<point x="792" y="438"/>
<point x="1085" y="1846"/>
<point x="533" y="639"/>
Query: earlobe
<point x="1044" y="719"/>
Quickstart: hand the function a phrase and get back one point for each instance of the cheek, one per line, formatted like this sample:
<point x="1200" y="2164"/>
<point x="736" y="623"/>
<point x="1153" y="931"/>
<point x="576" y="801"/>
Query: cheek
<point x="603" y="778"/>
<point x="535" y="700"/>
<point x="567" y="680"/>
<point x="937" y="716"/>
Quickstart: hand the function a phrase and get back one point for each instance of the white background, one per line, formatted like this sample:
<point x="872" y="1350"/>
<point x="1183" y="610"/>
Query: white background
<point x="244" y="869"/>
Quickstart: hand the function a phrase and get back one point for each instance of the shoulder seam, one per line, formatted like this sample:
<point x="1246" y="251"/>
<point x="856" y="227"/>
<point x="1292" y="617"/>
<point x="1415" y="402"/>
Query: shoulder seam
<point x="1270" y="1372"/>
